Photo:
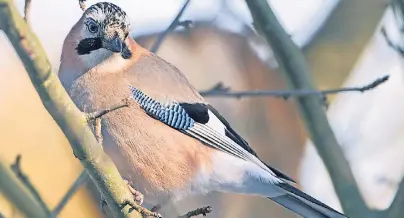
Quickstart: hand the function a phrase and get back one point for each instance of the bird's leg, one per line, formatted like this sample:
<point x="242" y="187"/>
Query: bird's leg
<point x="137" y="200"/>
<point x="138" y="197"/>
<point x="97" y="130"/>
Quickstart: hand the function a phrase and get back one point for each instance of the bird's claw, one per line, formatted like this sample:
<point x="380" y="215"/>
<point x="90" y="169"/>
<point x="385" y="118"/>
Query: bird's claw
<point x="145" y="212"/>
<point x="137" y="200"/>
<point x="137" y="196"/>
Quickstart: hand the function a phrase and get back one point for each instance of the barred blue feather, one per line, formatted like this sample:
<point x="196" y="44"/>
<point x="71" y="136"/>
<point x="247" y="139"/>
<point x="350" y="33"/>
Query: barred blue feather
<point x="173" y="115"/>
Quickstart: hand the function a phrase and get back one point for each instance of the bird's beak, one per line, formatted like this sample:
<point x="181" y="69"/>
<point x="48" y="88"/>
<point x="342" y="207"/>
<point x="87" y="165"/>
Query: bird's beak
<point x="115" y="44"/>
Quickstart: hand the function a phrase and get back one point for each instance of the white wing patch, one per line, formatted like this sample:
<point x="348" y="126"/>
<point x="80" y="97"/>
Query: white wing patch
<point x="213" y="133"/>
<point x="216" y="124"/>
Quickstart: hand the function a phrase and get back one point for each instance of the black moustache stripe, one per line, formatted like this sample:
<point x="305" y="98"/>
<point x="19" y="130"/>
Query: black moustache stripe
<point x="86" y="46"/>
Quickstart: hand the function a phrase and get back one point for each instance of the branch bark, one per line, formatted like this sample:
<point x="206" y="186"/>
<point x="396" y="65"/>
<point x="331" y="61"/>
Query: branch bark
<point x="69" y="118"/>
<point x="296" y="72"/>
<point x="200" y="211"/>
<point x="18" y="194"/>
<point x="221" y="91"/>
<point x="16" y="168"/>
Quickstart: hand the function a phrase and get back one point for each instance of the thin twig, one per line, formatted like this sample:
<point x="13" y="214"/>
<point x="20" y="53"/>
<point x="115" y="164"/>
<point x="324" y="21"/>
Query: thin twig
<point x="81" y="180"/>
<point x="99" y="114"/>
<point x="145" y="212"/>
<point x="390" y="43"/>
<point x="200" y="211"/>
<point x="174" y="24"/>
<point x="221" y="91"/>
<point x="27" y="9"/>
<point x="17" y="194"/>
<point x="16" y="168"/>
<point x="69" y="118"/>
<point x="82" y="4"/>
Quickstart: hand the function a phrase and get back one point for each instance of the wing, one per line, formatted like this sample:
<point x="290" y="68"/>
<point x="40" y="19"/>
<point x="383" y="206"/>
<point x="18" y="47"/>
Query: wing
<point x="204" y="123"/>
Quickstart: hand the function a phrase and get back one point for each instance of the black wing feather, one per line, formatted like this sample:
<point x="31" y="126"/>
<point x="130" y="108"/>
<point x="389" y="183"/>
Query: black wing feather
<point x="230" y="131"/>
<point x="199" y="111"/>
<point x="182" y="116"/>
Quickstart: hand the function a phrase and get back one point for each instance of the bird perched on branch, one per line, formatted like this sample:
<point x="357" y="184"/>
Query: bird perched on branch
<point x="170" y="143"/>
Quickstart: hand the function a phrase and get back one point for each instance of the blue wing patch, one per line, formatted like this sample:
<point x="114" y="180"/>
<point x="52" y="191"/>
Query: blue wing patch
<point x="173" y="115"/>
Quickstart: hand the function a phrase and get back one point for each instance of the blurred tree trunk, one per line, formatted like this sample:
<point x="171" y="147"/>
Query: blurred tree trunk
<point x="335" y="49"/>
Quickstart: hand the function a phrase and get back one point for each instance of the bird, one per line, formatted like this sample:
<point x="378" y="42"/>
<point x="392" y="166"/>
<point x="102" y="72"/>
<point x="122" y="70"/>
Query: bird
<point x="170" y="143"/>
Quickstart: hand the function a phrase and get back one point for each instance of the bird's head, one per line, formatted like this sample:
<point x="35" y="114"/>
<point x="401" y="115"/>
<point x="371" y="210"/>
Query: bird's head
<point x="103" y="27"/>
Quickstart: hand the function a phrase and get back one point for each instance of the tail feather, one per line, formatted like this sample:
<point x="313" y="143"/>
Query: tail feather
<point x="303" y="204"/>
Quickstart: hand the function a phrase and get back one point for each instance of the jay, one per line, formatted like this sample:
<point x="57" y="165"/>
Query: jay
<point x="170" y="142"/>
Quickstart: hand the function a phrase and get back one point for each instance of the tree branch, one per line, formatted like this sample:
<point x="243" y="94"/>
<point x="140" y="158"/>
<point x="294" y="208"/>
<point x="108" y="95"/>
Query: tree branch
<point x="200" y="211"/>
<point x="12" y="188"/>
<point x="70" y="119"/>
<point x="295" y="70"/>
<point x="16" y="168"/>
<point x="27" y="9"/>
<point x="99" y="114"/>
<point x="174" y="24"/>
<point x="221" y="91"/>
<point x="83" y="178"/>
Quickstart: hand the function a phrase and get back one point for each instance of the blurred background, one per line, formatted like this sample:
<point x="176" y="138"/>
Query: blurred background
<point x="342" y="43"/>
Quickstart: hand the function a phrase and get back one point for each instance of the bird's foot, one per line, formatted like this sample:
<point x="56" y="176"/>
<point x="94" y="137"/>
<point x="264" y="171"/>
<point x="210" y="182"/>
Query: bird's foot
<point x="145" y="212"/>
<point x="137" y="200"/>
<point x="137" y="195"/>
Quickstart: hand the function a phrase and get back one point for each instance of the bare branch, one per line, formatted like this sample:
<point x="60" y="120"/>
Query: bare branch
<point x="81" y="180"/>
<point x="396" y="208"/>
<point x="200" y="211"/>
<point x="27" y="9"/>
<point x="295" y="70"/>
<point x="82" y="4"/>
<point x="16" y="168"/>
<point x="70" y="119"/>
<point x="18" y="194"/>
<point x="398" y="49"/>
<point x="220" y="90"/>
<point x="99" y="114"/>
<point x="174" y="24"/>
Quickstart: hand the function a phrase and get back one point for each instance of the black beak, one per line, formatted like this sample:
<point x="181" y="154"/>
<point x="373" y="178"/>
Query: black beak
<point x="118" y="46"/>
<point x="115" y="44"/>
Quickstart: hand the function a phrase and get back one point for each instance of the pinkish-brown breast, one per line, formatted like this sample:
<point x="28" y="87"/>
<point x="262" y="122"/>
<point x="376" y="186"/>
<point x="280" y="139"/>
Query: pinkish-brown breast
<point x="154" y="157"/>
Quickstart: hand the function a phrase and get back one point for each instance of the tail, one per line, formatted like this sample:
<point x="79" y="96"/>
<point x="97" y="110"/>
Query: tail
<point x="303" y="204"/>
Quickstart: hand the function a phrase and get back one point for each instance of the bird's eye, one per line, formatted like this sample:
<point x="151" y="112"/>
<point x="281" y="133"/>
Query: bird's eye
<point x="92" y="27"/>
